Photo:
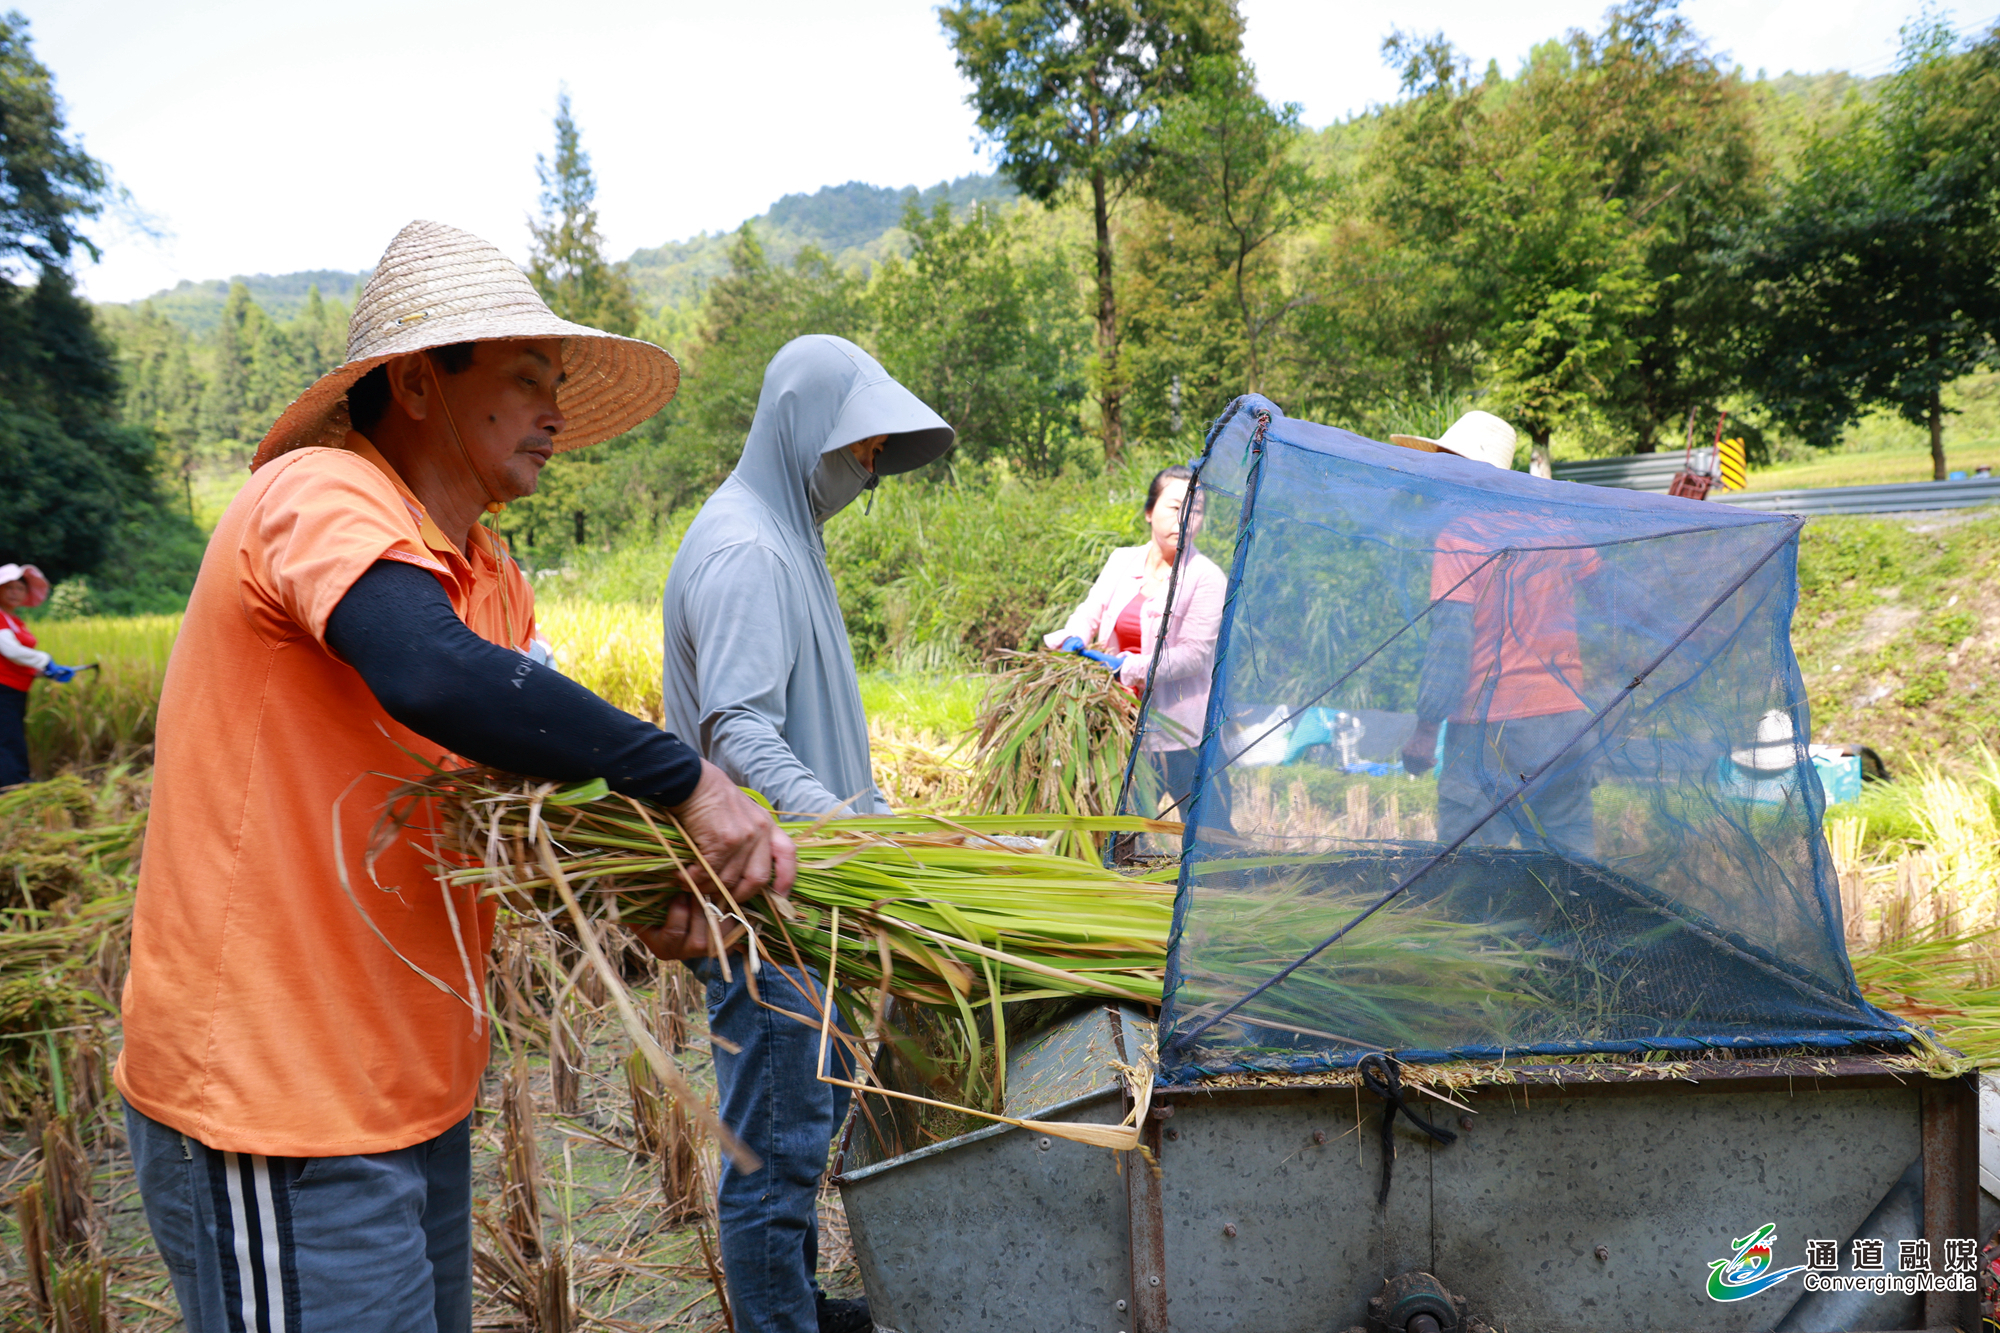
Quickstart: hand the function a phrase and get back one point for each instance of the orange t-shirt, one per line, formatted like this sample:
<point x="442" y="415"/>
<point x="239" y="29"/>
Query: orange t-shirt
<point x="1523" y="617"/>
<point x="262" y="1013"/>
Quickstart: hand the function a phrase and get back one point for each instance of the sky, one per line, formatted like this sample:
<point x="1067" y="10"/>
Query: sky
<point x="252" y="137"/>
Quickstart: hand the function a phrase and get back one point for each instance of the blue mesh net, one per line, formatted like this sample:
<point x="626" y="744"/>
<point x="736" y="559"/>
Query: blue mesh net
<point x="1484" y="765"/>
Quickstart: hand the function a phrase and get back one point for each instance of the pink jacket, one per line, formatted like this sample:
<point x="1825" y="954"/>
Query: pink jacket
<point x="1180" y="695"/>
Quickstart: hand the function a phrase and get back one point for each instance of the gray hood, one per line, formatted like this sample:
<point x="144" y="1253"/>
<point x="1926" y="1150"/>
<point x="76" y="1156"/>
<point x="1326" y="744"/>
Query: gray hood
<point x="757" y="673"/>
<point x="823" y="393"/>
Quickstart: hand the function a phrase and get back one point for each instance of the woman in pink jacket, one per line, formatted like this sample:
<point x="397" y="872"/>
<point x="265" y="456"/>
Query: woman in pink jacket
<point x="1123" y="616"/>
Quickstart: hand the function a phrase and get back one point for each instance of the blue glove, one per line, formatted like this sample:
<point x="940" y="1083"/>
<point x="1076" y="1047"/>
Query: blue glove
<point x="1112" y="660"/>
<point x="61" y="675"/>
<point x="1071" y="645"/>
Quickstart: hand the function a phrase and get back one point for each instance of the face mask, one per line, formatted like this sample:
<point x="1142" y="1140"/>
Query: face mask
<point x="835" y="482"/>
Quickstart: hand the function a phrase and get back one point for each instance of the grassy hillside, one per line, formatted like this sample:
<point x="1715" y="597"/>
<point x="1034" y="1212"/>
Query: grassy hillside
<point x="1898" y="633"/>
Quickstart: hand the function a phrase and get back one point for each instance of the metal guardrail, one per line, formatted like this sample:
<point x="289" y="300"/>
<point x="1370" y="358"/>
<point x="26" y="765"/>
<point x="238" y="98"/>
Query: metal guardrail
<point x="1900" y="498"/>
<point x="1631" y="472"/>
<point x="1655" y="472"/>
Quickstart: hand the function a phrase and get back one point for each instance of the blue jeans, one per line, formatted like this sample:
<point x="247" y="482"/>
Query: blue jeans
<point x="772" y="1099"/>
<point x="375" y="1244"/>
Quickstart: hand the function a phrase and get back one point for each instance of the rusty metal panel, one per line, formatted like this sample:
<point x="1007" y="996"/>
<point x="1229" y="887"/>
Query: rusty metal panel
<point x="1663" y="1179"/>
<point x="1145" y="1184"/>
<point x="1271" y="1222"/>
<point x="999" y="1231"/>
<point x="1951" y="1187"/>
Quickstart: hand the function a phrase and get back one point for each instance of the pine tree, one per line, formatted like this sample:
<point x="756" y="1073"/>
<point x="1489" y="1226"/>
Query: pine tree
<point x="568" y="266"/>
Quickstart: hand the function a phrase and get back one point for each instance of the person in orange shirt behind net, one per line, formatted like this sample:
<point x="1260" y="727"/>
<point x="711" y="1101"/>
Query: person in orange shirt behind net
<point x="1503" y="666"/>
<point x="305" y="1026"/>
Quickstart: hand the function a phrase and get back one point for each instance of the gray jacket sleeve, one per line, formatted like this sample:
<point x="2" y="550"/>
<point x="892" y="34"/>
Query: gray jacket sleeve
<point x="743" y="667"/>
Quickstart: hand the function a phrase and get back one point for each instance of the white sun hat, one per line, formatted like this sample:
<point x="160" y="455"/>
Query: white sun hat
<point x="38" y="584"/>
<point x="1776" y="749"/>
<point x="436" y="285"/>
<point x="1479" y="436"/>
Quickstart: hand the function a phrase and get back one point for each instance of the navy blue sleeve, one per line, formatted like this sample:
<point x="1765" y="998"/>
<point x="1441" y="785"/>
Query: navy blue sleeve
<point x="490" y="704"/>
<point x="1447" y="661"/>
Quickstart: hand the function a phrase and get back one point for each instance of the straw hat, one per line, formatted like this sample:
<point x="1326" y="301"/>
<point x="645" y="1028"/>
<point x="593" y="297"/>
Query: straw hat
<point x="38" y="583"/>
<point x="1479" y="436"/>
<point x="1776" y="749"/>
<point x="436" y="285"/>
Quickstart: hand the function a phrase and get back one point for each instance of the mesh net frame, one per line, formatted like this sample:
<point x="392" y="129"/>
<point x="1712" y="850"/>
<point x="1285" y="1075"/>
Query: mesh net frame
<point x="1616" y="846"/>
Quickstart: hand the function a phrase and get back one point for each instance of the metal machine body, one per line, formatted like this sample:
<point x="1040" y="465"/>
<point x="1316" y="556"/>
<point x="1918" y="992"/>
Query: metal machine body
<point x="1580" y="1198"/>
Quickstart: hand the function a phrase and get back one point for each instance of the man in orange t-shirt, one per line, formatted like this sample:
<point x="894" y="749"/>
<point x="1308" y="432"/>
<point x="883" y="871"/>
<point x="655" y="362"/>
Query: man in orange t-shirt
<point x="304" y="1028"/>
<point x="1503" y="666"/>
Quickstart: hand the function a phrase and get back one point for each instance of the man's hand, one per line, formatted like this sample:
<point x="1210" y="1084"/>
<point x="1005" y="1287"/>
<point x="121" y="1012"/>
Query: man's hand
<point x="1420" y="751"/>
<point x="741" y="843"/>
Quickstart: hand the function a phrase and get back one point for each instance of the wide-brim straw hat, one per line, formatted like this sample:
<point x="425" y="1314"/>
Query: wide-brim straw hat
<point x="1479" y="436"/>
<point x="436" y="285"/>
<point x="38" y="582"/>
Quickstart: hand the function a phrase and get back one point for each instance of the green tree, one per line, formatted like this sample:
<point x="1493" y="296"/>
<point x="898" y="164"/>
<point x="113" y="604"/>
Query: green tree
<point x="567" y="265"/>
<point x="77" y="490"/>
<point x="1210" y="291"/>
<point x="1491" y="186"/>
<point x="1071" y="91"/>
<point x="1670" y="135"/>
<point x="1875" y="276"/>
<point x="225" y="400"/>
<point x="985" y="329"/>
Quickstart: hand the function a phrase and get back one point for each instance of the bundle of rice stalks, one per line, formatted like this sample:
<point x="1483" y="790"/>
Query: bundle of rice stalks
<point x="915" y="773"/>
<point x="1052" y="737"/>
<point x="935" y="912"/>
<point x="1937" y="980"/>
<point x="1386" y="978"/>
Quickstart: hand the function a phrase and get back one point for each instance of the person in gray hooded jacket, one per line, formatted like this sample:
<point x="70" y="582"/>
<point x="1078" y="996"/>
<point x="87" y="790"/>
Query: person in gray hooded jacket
<point x="759" y="675"/>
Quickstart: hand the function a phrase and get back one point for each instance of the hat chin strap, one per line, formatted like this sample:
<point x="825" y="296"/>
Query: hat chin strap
<point x="494" y="504"/>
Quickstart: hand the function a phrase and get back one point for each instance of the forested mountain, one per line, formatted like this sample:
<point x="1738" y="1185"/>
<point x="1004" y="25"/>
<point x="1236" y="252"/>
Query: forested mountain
<point x="855" y="224"/>
<point x="198" y="306"/>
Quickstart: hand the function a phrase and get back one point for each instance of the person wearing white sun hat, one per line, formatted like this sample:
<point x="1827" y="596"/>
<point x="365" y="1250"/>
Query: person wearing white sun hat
<point x="298" y="1093"/>
<point x="1503" y="673"/>
<point x="21" y="662"/>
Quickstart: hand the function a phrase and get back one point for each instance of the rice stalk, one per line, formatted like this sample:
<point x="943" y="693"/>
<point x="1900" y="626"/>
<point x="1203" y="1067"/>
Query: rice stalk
<point x="566" y="1058"/>
<point x="79" y="1291"/>
<point x="1940" y="981"/>
<point x="31" y="1217"/>
<point x="106" y="715"/>
<point x="679" y="995"/>
<point x="612" y="650"/>
<point x="520" y="1229"/>
<point x="1052" y="737"/>
<point x="684" y="1185"/>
